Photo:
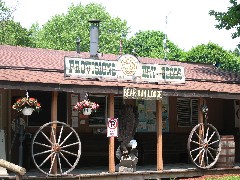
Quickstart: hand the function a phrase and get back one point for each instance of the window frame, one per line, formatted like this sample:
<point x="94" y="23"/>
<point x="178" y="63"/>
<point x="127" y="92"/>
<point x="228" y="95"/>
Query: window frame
<point x="193" y="112"/>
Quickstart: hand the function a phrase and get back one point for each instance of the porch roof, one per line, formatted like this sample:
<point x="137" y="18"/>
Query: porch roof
<point x="25" y="67"/>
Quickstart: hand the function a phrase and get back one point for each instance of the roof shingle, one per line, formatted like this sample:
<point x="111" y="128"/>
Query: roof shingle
<point x="23" y="64"/>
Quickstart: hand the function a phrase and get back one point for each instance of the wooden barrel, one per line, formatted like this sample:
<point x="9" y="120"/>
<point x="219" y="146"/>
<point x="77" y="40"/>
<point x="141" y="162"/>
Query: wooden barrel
<point x="227" y="155"/>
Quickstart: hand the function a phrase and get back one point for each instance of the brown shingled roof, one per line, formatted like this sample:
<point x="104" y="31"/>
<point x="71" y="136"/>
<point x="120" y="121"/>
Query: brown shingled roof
<point x="35" y="65"/>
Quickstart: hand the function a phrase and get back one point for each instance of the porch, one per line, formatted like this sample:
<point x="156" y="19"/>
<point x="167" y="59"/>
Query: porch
<point x="177" y="170"/>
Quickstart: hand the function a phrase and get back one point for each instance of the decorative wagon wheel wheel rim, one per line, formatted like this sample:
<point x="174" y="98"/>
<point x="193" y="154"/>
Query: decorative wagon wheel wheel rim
<point x="56" y="148"/>
<point x="204" y="145"/>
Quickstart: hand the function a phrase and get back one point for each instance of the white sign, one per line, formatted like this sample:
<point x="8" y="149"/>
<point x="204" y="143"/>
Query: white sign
<point x="112" y="127"/>
<point x="147" y="94"/>
<point x="127" y="67"/>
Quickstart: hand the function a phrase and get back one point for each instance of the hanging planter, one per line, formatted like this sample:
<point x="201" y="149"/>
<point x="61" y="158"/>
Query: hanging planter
<point x="27" y="111"/>
<point x="26" y="105"/>
<point x="86" y="107"/>
<point x="87" y="111"/>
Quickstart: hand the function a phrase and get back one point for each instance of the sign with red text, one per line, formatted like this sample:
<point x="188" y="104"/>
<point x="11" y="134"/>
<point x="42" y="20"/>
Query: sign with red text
<point x="112" y="127"/>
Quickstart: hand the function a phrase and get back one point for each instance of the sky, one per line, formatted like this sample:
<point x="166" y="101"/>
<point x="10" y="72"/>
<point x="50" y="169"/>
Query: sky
<point x="188" y="22"/>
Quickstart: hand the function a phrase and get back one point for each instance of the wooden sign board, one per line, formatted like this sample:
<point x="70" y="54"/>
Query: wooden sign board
<point x="146" y="94"/>
<point x="127" y="67"/>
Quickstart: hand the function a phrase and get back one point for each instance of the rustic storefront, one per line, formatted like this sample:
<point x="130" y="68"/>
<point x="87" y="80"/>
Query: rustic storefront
<point x="59" y="79"/>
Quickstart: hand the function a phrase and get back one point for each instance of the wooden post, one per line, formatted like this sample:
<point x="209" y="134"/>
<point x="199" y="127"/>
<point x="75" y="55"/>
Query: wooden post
<point x="159" y="134"/>
<point x="200" y="114"/>
<point x="111" y="139"/>
<point x="200" y="120"/>
<point x="54" y="126"/>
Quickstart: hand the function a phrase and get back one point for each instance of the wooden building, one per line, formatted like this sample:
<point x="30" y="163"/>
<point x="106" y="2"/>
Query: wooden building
<point x="42" y="72"/>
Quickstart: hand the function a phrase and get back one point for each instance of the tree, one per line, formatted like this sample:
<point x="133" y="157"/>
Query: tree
<point x="11" y="33"/>
<point x="236" y="51"/>
<point x="61" y="31"/>
<point x="5" y="12"/>
<point x="230" y="19"/>
<point x="150" y="44"/>
<point x="212" y="53"/>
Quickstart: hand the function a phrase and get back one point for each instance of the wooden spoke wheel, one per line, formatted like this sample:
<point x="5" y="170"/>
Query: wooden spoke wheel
<point x="204" y="145"/>
<point x="56" y="148"/>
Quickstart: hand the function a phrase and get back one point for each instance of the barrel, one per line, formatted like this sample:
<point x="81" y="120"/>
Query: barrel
<point x="227" y="155"/>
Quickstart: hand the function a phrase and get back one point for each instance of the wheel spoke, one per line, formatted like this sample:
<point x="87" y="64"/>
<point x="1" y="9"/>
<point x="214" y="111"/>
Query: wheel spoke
<point x="198" y="155"/>
<point x="202" y="158"/>
<point x="65" y="159"/>
<point x="59" y="162"/>
<point x="207" y="133"/>
<point x="213" y="142"/>
<point x="211" y="137"/>
<point x="46" y="137"/>
<point x="53" y="135"/>
<point x="46" y="159"/>
<point x="196" y="149"/>
<point x="44" y="152"/>
<point x="210" y="154"/>
<point x="60" y="135"/>
<point x="198" y="136"/>
<point x="69" y="152"/>
<point x="66" y="138"/>
<point x="45" y="145"/>
<point x="213" y="149"/>
<point x="206" y="157"/>
<point x="50" y="170"/>
<point x="70" y="145"/>
<point x="196" y="143"/>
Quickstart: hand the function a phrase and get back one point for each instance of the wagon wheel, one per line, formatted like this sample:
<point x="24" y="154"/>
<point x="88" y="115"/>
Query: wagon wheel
<point x="56" y="148"/>
<point x="204" y="145"/>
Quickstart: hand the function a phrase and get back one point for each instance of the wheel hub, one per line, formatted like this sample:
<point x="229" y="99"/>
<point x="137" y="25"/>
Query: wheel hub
<point x="56" y="148"/>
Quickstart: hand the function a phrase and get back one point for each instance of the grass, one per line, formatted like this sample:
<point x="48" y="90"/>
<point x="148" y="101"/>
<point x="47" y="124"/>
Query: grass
<point x="233" y="177"/>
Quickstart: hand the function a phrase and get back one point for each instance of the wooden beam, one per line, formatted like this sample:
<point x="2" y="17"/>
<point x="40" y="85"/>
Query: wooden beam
<point x="111" y="89"/>
<point x="111" y="139"/>
<point x="54" y="126"/>
<point x="200" y="114"/>
<point x="159" y="135"/>
<point x="12" y="167"/>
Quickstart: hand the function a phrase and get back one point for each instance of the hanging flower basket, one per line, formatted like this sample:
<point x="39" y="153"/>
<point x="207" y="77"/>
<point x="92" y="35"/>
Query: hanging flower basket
<point x="87" y="111"/>
<point x="86" y="107"/>
<point x="24" y="103"/>
<point x="27" y="111"/>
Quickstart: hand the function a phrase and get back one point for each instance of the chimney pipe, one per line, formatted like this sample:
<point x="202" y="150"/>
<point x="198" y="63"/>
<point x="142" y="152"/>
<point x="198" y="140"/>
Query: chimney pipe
<point x="78" y="45"/>
<point x="94" y="35"/>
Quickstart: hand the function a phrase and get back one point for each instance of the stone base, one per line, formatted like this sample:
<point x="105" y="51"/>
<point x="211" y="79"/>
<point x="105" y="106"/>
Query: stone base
<point x="127" y="166"/>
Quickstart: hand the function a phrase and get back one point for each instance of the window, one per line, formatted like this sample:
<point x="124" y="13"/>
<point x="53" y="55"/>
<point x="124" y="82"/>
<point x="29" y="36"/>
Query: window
<point x="187" y="112"/>
<point x="99" y="117"/>
<point x="45" y="99"/>
<point x="118" y="103"/>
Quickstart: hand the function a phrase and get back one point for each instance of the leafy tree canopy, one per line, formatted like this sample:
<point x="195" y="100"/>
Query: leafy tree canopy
<point x="5" y="12"/>
<point x="61" y="31"/>
<point x="11" y="33"/>
<point x="150" y="44"/>
<point x="230" y="19"/>
<point x="213" y="53"/>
